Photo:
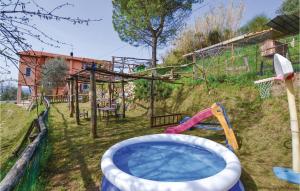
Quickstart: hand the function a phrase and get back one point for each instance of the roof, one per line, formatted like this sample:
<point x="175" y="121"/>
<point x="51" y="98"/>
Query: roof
<point x="287" y="24"/>
<point x="67" y="57"/>
<point x="249" y="38"/>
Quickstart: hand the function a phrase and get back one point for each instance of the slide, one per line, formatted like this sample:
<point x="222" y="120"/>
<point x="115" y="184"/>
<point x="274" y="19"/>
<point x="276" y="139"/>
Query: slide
<point x="202" y="115"/>
<point x="216" y="110"/>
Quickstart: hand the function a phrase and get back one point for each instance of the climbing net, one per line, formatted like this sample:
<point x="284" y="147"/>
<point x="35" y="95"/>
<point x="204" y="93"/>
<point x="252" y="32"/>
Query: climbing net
<point x="265" y="86"/>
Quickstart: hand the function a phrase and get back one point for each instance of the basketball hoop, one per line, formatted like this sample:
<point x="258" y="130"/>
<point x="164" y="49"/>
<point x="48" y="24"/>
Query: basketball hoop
<point x="265" y="86"/>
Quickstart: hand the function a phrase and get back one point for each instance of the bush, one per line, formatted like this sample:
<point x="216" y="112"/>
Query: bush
<point x="142" y="90"/>
<point x="242" y="79"/>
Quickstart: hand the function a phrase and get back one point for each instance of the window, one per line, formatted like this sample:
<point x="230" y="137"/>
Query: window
<point x="28" y="71"/>
<point x="85" y="86"/>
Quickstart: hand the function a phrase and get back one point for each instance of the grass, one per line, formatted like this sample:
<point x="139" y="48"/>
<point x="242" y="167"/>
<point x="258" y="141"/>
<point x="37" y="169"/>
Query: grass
<point x="262" y="128"/>
<point x="15" y="121"/>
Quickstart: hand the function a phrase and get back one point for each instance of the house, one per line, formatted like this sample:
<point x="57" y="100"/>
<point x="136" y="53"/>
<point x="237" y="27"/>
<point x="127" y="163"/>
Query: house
<point x="30" y="65"/>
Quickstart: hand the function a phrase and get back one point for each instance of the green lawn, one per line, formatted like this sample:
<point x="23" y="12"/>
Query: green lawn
<point x="15" y="121"/>
<point x="263" y="137"/>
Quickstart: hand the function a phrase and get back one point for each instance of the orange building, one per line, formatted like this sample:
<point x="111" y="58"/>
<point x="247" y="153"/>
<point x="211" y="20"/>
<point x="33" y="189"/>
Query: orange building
<point x="30" y="65"/>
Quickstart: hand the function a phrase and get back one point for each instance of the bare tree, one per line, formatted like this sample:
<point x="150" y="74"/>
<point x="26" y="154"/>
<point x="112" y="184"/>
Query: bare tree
<point x="219" y="23"/>
<point x="17" y="26"/>
<point x="224" y="18"/>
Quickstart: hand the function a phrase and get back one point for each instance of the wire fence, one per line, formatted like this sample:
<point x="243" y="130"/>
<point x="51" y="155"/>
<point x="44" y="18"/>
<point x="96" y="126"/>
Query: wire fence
<point x="256" y="59"/>
<point x="24" y="175"/>
<point x="237" y="60"/>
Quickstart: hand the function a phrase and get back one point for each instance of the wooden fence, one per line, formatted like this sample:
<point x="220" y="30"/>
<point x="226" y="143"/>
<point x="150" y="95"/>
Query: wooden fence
<point x="65" y="98"/>
<point x="57" y="98"/>
<point x="14" y="177"/>
<point x="165" y="120"/>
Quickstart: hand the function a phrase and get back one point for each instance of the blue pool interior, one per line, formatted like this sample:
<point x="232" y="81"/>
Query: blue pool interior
<point x="168" y="161"/>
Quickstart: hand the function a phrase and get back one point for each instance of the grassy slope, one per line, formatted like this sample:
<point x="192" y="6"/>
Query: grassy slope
<point x="219" y="63"/>
<point x="262" y="128"/>
<point x="15" y="120"/>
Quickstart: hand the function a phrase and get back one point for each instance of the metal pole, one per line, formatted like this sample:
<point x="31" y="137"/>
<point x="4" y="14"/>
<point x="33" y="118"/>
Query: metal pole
<point x="294" y="124"/>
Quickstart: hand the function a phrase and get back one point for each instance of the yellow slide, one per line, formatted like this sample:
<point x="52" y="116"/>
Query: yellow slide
<point x="220" y="114"/>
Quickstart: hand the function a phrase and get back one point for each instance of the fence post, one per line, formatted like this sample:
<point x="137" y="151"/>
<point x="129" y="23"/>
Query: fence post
<point x="123" y="100"/>
<point x="195" y="69"/>
<point x="77" y="101"/>
<point x="93" y="104"/>
<point x="151" y="100"/>
<point x="72" y="98"/>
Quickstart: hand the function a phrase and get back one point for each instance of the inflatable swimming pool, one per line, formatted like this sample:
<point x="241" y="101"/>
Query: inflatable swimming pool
<point x="174" y="162"/>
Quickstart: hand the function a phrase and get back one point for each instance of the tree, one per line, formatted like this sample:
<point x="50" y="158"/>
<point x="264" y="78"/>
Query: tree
<point x="141" y="90"/>
<point x="17" y="27"/>
<point x="217" y="24"/>
<point x="289" y="7"/>
<point x="258" y="23"/>
<point x="9" y="93"/>
<point x="54" y="74"/>
<point x="214" y="37"/>
<point x="150" y="22"/>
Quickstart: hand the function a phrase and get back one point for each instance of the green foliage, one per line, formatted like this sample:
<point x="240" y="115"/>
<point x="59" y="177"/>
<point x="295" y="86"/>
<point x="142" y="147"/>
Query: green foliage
<point x="150" y="23"/>
<point x="258" y="23"/>
<point x="13" y="132"/>
<point x="173" y="58"/>
<point x="139" y="68"/>
<point x="138" y="21"/>
<point x="214" y="37"/>
<point x="239" y="80"/>
<point x="289" y="7"/>
<point x="54" y="74"/>
<point x="10" y="93"/>
<point x="217" y="24"/>
<point x="142" y="90"/>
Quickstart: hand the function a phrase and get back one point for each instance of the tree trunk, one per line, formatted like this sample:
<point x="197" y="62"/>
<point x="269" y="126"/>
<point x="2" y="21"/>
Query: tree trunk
<point x="154" y="47"/>
<point x="152" y="83"/>
<point x="56" y="90"/>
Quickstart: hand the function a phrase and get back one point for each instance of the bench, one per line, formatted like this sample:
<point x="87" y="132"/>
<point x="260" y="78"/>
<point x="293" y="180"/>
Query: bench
<point x="84" y="114"/>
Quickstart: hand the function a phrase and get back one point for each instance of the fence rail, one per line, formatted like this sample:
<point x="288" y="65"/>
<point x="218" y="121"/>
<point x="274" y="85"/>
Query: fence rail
<point x="20" y="173"/>
<point x="57" y="98"/>
<point x="65" y="98"/>
<point x="164" y="120"/>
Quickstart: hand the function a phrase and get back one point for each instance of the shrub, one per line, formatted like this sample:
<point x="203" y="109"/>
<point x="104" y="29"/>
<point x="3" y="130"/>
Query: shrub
<point x="142" y="90"/>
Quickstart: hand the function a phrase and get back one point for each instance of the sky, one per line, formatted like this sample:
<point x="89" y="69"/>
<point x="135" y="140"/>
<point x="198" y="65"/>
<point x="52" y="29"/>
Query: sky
<point x="100" y="41"/>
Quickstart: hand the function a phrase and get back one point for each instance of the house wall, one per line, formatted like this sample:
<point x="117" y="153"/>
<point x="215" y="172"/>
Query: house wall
<point x="35" y="63"/>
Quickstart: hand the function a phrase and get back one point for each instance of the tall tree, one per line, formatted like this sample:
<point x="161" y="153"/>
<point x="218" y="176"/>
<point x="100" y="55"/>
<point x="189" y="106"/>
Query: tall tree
<point x="54" y="74"/>
<point x="150" y="22"/>
<point x="258" y="23"/>
<point x="289" y="7"/>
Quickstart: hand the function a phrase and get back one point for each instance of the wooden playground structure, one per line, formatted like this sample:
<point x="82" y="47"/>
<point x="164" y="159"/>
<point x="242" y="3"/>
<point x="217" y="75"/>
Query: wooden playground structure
<point x="121" y="73"/>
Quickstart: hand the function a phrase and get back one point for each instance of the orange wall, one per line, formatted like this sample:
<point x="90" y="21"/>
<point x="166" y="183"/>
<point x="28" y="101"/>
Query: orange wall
<point x="35" y="64"/>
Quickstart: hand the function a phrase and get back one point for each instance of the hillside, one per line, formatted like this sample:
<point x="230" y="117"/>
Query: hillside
<point x="262" y="127"/>
<point x="15" y="121"/>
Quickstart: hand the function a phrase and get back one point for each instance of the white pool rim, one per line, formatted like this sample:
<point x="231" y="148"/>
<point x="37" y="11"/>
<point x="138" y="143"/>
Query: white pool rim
<point x="223" y="180"/>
